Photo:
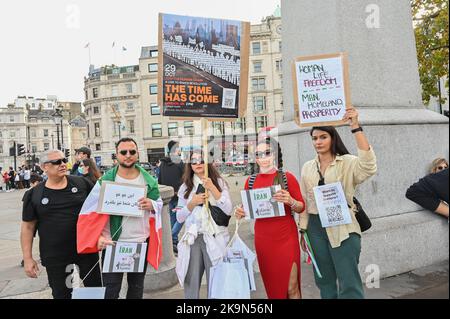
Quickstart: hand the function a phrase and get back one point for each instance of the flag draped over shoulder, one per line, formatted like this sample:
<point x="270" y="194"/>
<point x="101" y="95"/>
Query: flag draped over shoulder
<point x="91" y="224"/>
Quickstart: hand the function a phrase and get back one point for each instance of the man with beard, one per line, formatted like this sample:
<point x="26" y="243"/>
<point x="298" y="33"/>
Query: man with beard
<point x="97" y="231"/>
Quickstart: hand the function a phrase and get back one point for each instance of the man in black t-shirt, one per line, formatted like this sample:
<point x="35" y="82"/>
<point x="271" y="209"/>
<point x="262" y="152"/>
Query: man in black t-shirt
<point x="52" y="208"/>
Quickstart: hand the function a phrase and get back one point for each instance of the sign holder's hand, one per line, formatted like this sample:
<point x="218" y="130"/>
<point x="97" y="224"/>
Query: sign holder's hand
<point x="145" y="204"/>
<point x="283" y="196"/>
<point x="239" y="212"/>
<point x="103" y="242"/>
<point x="31" y="268"/>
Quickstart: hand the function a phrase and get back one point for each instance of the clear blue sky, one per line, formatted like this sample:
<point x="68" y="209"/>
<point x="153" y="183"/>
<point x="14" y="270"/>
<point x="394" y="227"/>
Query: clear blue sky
<point x="42" y="42"/>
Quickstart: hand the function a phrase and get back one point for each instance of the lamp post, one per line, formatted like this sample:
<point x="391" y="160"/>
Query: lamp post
<point x="58" y="121"/>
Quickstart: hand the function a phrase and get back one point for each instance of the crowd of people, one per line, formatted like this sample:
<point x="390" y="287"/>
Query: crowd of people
<point x="218" y="64"/>
<point x="75" y="234"/>
<point x="21" y="178"/>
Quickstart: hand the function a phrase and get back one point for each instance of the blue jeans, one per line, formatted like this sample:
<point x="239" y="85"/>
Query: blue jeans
<point x="176" y="226"/>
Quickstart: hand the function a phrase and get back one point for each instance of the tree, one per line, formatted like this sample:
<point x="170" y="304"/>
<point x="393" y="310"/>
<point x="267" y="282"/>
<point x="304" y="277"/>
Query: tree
<point x="430" y="20"/>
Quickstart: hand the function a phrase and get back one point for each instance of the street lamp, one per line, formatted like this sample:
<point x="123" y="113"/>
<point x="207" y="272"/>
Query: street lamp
<point x="58" y="121"/>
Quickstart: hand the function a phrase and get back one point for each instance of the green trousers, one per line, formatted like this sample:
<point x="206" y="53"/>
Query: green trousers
<point x="338" y="266"/>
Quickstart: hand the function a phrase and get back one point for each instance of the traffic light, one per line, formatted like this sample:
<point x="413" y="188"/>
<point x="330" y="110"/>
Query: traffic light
<point x="20" y="149"/>
<point x="66" y="153"/>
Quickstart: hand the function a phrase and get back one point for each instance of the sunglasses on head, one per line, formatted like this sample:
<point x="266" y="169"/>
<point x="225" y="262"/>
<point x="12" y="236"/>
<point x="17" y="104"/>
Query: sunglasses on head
<point x="125" y="152"/>
<point x="264" y="154"/>
<point x="57" y="162"/>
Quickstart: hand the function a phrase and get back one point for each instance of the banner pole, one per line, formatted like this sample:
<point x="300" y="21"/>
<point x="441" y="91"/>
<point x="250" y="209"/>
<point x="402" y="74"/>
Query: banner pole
<point x="205" y="152"/>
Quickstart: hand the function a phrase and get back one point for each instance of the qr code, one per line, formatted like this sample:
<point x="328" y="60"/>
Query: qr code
<point x="229" y="99"/>
<point x="334" y="214"/>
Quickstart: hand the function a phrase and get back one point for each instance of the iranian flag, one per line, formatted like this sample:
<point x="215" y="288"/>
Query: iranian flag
<point x="91" y="224"/>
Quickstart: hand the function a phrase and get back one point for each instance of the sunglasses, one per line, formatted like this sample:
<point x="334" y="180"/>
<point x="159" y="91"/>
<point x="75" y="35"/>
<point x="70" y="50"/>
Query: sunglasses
<point x="57" y="162"/>
<point x="440" y="168"/>
<point x="125" y="152"/>
<point x="197" y="161"/>
<point x="265" y="154"/>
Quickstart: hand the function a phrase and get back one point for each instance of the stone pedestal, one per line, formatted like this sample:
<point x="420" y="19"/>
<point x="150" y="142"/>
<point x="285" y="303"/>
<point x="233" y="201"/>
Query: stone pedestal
<point x="385" y="88"/>
<point x="165" y="277"/>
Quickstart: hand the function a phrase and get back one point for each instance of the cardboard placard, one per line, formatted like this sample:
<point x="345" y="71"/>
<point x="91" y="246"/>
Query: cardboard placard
<point x="125" y="257"/>
<point x="321" y="89"/>
<point x="121" y="199"/>
<point x="258" y="203"/>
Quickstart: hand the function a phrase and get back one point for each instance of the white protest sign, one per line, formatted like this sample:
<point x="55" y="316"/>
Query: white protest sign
<point x="125" y="257"/>
<point x="321" y="89"/>
<point x="121" y="199"/>
<point x="89" y="293"/>
<point x="258" y="203"/>
<point x="332" y="205"/>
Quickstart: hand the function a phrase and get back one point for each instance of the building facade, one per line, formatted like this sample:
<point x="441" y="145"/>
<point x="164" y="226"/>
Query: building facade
<point x="122" y="101"/>
<point x="32" y="122"/>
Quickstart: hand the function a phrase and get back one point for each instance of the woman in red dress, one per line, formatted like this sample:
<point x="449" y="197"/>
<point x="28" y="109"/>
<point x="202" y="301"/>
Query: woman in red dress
<point x="276" y="239"/>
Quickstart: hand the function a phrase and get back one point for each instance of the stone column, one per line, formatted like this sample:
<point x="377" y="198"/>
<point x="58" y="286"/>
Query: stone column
<point x="385" y="88"/>
<point x="165" y="277"/>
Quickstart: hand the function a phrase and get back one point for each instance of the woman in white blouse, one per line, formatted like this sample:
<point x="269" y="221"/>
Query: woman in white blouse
<point x="203" y="244"/>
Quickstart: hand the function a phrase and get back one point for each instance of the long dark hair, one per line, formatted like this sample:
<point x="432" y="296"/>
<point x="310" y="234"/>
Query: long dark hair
<point x="93" y="172"/>
<point x="188" y="175"/>
<point x="337" y="146"/>
<point x="274" y="146"/>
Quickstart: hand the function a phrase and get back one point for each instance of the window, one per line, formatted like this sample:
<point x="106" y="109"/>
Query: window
<point x="129" y="88"/>
<point x="1" y="148"/>
<point x="153" y="67"/>
<point x="33" y="149"/>
<point x="257" y="66"/>
<point x="154" y="108"/>
<point x="49" y="105"/>
<point x="279" y="65"/>
<point x="1" y="134"/>
<point x="130" y="69"/>
<point x="98" y="147"/>
<point x="46" y="146"/>
<point x="11" y="118"/>
<point x="33" y="133"/>
<point x="256" y="47"/>
<point x="157" y="130"/>
<point x="130" y="106"/>
<point x="259" y="103"/>
<point x="239" y="126"/>
<point x="218" y="128"/>
<point x="86" y="97"/>
<point x="116" y="71"/>
<point x="116" y="126"/>
<point x="154" y="53"/>
<point x="172" y="128"/>
<point x="88" y="131"/>
<point x="189" y="128"/>
<point x="96" y="110"/>
<point x="45" y="133"/>
<point x="153" y="89"/>
<point x="258" y="84"/>
<point x="260" y="122"/>
<point x="95" y="93"/>
<point x="131" y="126"/>
<point x="12" y="134"/>
<point x="97" y="129"/>
<point x="114" y="90"/>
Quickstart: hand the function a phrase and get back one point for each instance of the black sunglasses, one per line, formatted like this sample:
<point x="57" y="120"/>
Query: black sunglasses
<point x="57" y="162"/>
<point x="124" y="152"/>
<point x="440" y="168"/>
<point x="263" y="154"/>
<point x="197" y="161"/>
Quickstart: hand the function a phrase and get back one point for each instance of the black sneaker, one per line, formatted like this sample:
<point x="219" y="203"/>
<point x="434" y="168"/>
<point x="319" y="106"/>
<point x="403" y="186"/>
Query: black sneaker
<point x="175" y="249"/>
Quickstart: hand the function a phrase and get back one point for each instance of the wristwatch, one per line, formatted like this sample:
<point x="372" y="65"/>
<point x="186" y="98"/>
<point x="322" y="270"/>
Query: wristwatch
<point x="358" y="129"/>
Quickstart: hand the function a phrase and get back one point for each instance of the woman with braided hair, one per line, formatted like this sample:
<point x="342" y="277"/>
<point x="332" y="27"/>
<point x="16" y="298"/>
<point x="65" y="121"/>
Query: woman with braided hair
<point x="276" y="239"/>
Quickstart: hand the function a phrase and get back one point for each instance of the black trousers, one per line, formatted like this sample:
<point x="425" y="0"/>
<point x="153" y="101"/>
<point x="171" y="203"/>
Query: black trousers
<point x="113" y="283"/>
<point x="60" y="276"/>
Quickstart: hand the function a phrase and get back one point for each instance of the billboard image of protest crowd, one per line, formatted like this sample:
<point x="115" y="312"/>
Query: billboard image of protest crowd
<point x="204" y="67"/>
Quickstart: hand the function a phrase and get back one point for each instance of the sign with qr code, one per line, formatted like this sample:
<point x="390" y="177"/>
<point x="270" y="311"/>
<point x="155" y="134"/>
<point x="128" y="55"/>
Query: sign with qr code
<point x="203" y="67"/>
<point x="332" y="205"/>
